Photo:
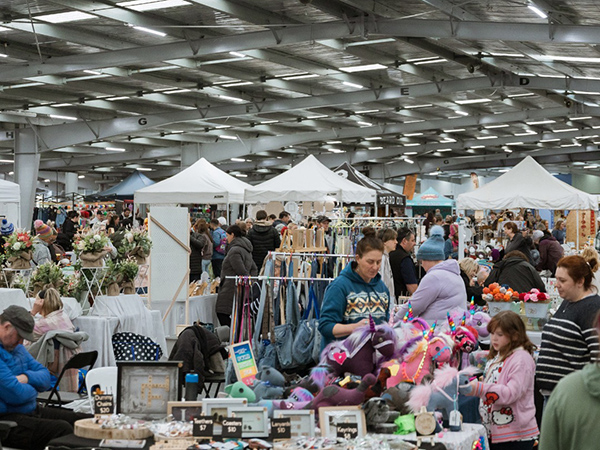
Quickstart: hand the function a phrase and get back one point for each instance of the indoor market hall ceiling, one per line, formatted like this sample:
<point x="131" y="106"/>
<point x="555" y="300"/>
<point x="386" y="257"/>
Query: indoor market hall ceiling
<point x="433" y="87"/>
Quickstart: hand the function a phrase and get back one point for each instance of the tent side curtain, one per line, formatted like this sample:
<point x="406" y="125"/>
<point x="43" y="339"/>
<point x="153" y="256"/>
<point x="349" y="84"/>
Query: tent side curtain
<point x="527" y="185"/>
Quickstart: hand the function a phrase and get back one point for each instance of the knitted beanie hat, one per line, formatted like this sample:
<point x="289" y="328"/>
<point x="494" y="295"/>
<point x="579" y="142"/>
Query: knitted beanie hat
<point x="433" y="248"/>
<point x="6" y="228"/>
<point x="42" y="230"/>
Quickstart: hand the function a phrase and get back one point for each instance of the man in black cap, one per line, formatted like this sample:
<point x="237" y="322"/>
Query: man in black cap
<point x="21" y="378"/>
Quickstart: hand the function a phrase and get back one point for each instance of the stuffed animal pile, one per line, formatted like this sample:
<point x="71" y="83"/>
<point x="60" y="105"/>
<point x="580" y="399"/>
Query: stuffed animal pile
<point x="496" y="293"/>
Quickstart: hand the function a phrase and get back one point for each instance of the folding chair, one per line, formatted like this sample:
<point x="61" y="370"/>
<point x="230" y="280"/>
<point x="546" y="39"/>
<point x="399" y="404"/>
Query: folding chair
<point x="78" y="361"/>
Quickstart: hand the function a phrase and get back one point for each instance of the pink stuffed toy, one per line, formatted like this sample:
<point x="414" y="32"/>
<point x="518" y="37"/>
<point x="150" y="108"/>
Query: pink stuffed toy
<point x="535" y="295"/>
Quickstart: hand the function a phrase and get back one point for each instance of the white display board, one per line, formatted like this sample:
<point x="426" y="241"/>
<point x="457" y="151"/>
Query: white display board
<point x="169" y="229"/>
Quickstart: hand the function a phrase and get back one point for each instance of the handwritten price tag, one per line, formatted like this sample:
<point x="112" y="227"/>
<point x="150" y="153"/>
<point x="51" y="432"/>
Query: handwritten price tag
<point x="203" y="427"/>
<point x="104" y="404"/>
<point x="281" y="428"/>
<point x="347" y="430"/>
<point x="232" y="427"/>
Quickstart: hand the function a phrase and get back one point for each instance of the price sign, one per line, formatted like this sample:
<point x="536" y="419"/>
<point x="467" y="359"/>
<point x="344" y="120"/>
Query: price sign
<point x="347" y="430"/>
<point x="281" y="428"/>
<point x="104" y="404"/>
<point x="232" y="427"/>
<point x="203" y="427"/>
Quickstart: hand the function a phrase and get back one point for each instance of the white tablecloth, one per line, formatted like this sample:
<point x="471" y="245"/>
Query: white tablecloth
<point x="132" y="316"/>
<point x="456" y="440"/>
<point x="100" y="331"/>
<point x="202" y="308"/>
<point x="13" y="297"/>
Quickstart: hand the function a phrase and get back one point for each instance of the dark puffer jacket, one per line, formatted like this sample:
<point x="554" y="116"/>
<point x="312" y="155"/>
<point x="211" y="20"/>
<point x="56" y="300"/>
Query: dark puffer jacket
<point x="197" y="243"/>
<point x="264" y="238"/>
<point x="238" y="261"/>
<point x="550" y="252"/>
<point x="517" y="274"/>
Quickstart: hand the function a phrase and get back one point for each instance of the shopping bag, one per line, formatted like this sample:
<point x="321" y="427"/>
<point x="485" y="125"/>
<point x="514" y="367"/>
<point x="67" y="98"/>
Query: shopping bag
<point x="134" y="347"/>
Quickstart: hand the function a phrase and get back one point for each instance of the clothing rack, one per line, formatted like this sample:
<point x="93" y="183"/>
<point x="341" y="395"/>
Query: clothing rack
<point x="314" y="255"/>
<point x="238" y="278"/>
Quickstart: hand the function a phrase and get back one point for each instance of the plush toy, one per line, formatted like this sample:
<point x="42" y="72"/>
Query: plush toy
<point x="534" y="295"/>
<point x="334" y="395"/>
<point x="268" y="384"/>
<point x="377" y="411"/>
<point x="361" y="353"/>
<point x="298" y="399"/>
<point x="478" y="320"/>
<point x="377" y="389"/>
<point x="397" y="397"/>
<point x="240" y="390"/>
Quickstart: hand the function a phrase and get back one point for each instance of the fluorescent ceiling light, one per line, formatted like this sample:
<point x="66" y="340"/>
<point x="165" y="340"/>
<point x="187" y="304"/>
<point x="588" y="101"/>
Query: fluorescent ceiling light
<point x="410" y="161"/>
<point x="362" y="68"/>
<point x="426" y="105"/>
<point x="177" y="91"/>
<point x="144" y="169"/>
<point x="414" y="121"/>
<point x="117" y="98"/>
<point x="541" y="122"/>
<point x="472" y="100"/>
<point x="2" y="55"/>
<point x="447" y="140"/>
<point x="222" y="127"/>
<point x="566" y="130"/>
<point x="235" y="99"/>
<point x="528" y="94"/>
<point x="433" y="61"/>
<point x="56" y="116"/>
<point x="437" y="172"/>
<point x="489" y="127"/>
<point x="241" y="175"/>
<point x="514" y="143"/>
<point x="266" y="122"/>
<point x="93" y="72"/>
<point x="334" y="142"/>
<point x="336" y="150"/>
<point x="481" y="138"/>
<point x="549" y="140"/>
<point x="354" y="85"/>
<point x="374" y="148"/>
<point x="571" y="145"/>
<point x="504" y="170"/>
<point x="367" y="111"/>
<point x="318" y="116"/>
<point x="538" y="11"/>
<point x="454" y="131"/>
<point x="477" y="146"/>
<point x="149" y="5"/>
<point x="6" y="161"/>
<point x="508" y="150"/>
<point x="525" y="133"/>
<point x="376" y="138"/>
<point x="507" y="55"/>
<point x="570" y="58"/>
<point x="59" y="105"/>
<point x="410" y="153"/>
<point x="227" y="137"/>
<point x="64" y="17"/>
<point x="148" y="30"/>
<point x="81" y="176"/>
<point x="581" y="118"/>
<point x="371" y="42"/>
<point x="412" y="144"/>
<point x="300" y="77"/>
<point x="364" y="124"/>
<point x="237" y="54"/>
<point x="47" y="180"/>
<point x="413" y="134"/>
<point x="115" y="149"/>
<point x="239" y="83"/>
<point x="442" y="150"/>
<point x="11" y="173"/>
<point x="462" y="113"/>
<point x="238" y="160"/>
<point x="593" y="166"/>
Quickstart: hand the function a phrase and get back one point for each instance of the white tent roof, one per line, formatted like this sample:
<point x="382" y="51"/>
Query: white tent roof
<point x="200" y="183"/>
<point x="9" y="192"/>
<point x="527" y="185"/>
<point x="309" y="181"/>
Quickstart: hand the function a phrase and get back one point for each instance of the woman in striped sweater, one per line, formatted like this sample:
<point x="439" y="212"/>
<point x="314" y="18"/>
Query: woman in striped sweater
<point x="569" y="339"/>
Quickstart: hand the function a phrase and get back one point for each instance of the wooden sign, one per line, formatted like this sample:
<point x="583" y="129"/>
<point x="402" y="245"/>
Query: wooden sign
<point x="104" y="404"/>
<point x="410" y="184"/>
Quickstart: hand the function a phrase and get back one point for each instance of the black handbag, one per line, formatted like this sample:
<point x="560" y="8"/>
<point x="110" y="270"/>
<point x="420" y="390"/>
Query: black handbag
<point x="134" y="347"/>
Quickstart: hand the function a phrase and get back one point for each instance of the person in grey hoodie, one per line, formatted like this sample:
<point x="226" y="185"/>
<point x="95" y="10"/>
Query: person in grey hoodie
<point x="238" y="261"/>
<point x="442" y="288"/>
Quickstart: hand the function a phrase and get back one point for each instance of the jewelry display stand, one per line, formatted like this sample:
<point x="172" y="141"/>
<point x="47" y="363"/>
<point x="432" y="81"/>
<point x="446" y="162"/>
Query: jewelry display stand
<point x="25" y="273"/>
<point x="94" y="278"/>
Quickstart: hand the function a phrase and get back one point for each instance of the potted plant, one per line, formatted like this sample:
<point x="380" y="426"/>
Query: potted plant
<point x="45" y="276"/>
<point x="18" y="249"/>
<point x="136" y="244"/>
<point x="112" y="279"/>
<point x="129" y="270"/>
<point x="91" y="248"/>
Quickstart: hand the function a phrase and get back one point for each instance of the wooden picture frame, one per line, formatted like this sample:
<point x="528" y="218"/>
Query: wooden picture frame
<point x="145" y="388"/>
<point x="184" y="411"/>
<point x="255" y="420"/>
<point x="303" y="421"/>
<point x="332" y="415"/>
<point x="219" y="406"/>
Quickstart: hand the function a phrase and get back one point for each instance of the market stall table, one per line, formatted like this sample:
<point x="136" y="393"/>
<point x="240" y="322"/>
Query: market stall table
<point x="202" y="308"/>
<point x="13" y="297"/>
<point x="100" y="331"/>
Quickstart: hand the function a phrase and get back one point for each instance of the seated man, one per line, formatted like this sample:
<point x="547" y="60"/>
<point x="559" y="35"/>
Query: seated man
<point x="21" y="378"/>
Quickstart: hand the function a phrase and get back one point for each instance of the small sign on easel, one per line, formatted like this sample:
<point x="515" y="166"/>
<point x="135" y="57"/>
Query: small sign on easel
<point x="244" y="362"/>
<point x="232" y="427"/>
<point x="104" y="404"/>
<point x="281" y="429"/>
<point x="203" y="427"/>
<point x="347" y="430"/>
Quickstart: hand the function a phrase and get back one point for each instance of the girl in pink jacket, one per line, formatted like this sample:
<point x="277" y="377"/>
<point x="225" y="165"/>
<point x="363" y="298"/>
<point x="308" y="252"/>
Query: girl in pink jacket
<point x="507" y="407"/>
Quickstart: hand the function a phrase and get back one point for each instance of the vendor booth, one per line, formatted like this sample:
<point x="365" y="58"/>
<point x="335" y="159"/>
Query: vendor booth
<point x="124" y="190"/>
<point x="430" y="200"/>
<point x="10" y="201"/>
<point x="309" y="180"/>
<point x="387" y="200"/>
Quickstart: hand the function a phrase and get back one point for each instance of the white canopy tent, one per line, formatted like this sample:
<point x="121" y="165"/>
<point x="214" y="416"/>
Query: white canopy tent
<point x="200" y="183"/>
<point x="309" y="180"/>
<point x="10" y="202"/>
<point x="527" y="185"/>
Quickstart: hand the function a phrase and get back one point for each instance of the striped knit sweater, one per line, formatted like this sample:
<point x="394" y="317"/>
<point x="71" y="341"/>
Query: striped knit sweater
<point x="569" y="341"/>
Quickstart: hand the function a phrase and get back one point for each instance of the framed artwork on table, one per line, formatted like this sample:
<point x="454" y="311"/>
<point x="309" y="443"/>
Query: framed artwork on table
<point x="303" y="421"/>
<point x="255" y="420"/>
<point x="145" y="388"/>
<point x="331" y="417"/>
<point x="184" y="411"/>
<point x="217" y="409"/>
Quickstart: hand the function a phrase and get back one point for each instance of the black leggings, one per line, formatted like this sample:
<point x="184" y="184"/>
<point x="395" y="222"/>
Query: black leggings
<point x="513" y="445"/>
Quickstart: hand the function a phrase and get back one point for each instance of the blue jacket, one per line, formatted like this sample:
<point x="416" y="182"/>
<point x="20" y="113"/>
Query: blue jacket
<point x="217" y="235"/>
<point x="348" y="299"/>
<point x="16" y="397"/>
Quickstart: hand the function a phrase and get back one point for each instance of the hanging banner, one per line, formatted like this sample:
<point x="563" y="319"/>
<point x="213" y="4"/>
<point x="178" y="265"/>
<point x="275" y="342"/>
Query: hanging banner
<point x="410" y="184"/>
<point x="475" y="180"/>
